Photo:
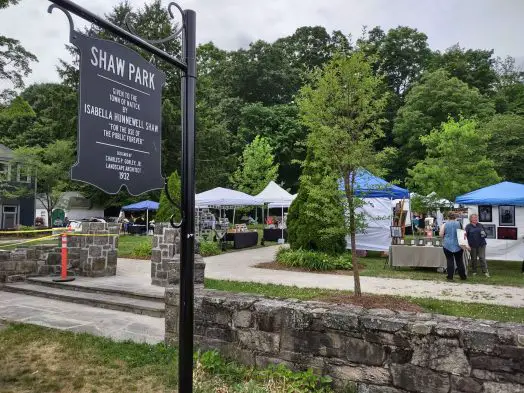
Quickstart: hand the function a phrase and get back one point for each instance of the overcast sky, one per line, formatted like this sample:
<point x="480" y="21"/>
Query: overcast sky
<point x="231" y="24"/>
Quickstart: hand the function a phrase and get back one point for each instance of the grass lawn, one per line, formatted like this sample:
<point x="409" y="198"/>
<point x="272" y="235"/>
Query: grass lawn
<point x="458" y="309"/>
<point x="128" y="243"/>
<point x="502" y="272"/>
<point x="41" y="360"/>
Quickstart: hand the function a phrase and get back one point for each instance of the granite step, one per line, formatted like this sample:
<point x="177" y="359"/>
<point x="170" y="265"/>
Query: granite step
<point x="153" y="308"/>
<point x="132" y="291"/>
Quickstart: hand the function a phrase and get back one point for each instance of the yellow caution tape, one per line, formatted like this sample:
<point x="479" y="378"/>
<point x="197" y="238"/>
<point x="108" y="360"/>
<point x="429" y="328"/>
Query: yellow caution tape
<point x="33" y="231"/>
<point x="29" y="241"/>
<point x="91" y="234"/>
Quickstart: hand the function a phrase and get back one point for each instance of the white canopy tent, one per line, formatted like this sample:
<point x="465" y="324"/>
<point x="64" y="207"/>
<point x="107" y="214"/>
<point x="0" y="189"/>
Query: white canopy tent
<point x="220" y="198"/>
<point x="278" y="205"/>
<point x="274" y="194"/>
<point x="225" y="197"/>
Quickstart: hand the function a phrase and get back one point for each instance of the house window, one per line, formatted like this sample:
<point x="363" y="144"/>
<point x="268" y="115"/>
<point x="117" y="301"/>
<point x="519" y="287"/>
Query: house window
<point x="5" y="171"/>
<point x="23" y="175"/>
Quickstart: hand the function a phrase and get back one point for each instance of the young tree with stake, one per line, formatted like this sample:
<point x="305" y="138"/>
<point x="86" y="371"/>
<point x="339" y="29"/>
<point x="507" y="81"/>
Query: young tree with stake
<point x="342" y="107"/>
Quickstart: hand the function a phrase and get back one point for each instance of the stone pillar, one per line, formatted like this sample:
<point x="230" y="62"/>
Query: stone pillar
<point x="95" y="256"/>
<point x="165" y="257"/>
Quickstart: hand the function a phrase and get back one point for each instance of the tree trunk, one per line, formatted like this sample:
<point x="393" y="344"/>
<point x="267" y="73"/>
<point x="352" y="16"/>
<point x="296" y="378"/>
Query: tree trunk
<point x="349" y="190"/>
<point x="49" y="210"/>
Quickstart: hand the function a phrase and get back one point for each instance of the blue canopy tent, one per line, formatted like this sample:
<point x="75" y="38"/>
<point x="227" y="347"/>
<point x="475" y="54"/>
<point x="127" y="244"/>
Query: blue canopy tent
<point x="141" y="206"/>
<point x="505" y="237"/>
<point x="378" y="194"/>
<point x="505" y="193"/>
<point x="371" y="186"/>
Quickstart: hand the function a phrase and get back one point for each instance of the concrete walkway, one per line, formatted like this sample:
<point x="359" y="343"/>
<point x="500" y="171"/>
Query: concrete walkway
<point x="238" y="266"/>
<point x="72" y="317"/>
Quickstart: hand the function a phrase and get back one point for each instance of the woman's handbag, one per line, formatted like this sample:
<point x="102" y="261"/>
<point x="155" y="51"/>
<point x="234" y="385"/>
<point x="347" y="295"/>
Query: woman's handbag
<point x="462" y="238"/>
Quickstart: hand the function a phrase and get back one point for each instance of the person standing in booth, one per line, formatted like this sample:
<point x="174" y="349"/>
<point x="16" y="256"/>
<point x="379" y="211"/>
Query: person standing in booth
<point x="452" y="250"/>
<point x="476" y="235"/>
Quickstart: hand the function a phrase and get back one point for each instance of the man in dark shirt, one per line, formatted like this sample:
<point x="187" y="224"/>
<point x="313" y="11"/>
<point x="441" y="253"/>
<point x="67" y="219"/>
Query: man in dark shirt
<point x="476" y="235"/>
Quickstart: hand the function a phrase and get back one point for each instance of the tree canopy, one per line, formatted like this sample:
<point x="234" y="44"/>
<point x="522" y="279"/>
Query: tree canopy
<point x="257" y="167"/>
<point x="456" y="161"/>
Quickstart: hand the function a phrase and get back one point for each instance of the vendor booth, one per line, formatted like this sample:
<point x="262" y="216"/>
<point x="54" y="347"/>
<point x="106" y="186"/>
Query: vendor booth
<point x="501" y="211"/>
<point x="144" y="206"/>
<point x="223" y="198"/>
<point x="377" y="194"/>
<point x="276" y="197"/>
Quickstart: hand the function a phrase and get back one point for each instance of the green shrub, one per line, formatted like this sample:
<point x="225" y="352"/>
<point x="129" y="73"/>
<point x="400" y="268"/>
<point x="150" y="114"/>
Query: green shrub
<point x="166" y="209"/>
<point x="313" y="260"/>
<point x="279" y="375"/>
<point x="143" y="250"/>
<point x="208" y="249"/>
<point x="316" y="216"/>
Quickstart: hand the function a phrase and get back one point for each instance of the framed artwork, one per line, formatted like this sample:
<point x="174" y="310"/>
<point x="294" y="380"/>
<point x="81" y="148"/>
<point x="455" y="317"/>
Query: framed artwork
<point x="507" y="215"/>
<point x="421" y="242"/>
<point x="485" y="213"/>
<point x="507" y="233"/>
<point x="491" y="231"/>
<point x="395" y="231"/>
<point x="436" y="242"/>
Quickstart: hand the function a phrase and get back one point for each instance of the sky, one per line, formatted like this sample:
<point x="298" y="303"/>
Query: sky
<point x="231" y="24"/>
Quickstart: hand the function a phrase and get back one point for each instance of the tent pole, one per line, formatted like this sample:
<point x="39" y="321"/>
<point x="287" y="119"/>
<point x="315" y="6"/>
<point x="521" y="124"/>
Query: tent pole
<point x="234" y="211"/>
<point x="147" y="222"/>
<point x="282" y="223"/>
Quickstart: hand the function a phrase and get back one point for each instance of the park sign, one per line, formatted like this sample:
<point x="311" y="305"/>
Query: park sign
<point x="119" y="119"/>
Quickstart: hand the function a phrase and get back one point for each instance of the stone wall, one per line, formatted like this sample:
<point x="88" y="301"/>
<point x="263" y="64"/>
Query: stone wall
<point x="93" y="256"/>
<point x="17" y="264"/>
<point x="165" y="257"/>
<point x="372" y="350"/>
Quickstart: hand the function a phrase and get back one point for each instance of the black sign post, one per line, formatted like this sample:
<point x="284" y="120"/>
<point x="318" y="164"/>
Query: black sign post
<point x="142" y="115"/>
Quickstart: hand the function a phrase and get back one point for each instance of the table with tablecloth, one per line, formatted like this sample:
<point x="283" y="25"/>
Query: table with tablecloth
<point x="273" y="234"/>
<point x="417" y="256"/>
<point x="136" y="229"/>
<point x="242" y="239"/>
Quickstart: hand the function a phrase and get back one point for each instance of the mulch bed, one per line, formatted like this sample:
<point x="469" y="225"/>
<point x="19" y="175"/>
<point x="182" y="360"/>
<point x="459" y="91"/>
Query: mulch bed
<point x="366" y="300"/>
<point x="373" y="301"/>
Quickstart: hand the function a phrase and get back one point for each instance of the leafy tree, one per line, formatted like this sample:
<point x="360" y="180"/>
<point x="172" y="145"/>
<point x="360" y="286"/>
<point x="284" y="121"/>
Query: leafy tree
<point x="52" y="109"/>
<point x="316" y="217"/>
<point x="262" y="73"/>
<point x="456" y="161"/>
<point x="428" y="104"/>
<point x="506" y="145"/>
<point x="509" y="96"/>
<point x="15" y="119"/>
<point x="400" y="56"/>
<point x="312" y="46"/>
<point x="14" y="59"/>
<point x="342" y="107"/>
<point x="50" y="165"/>
<point x="166" y="209"/>
<point x="257" y="167"/>
<point x="214" y="161"/>
<point x="282" y="128"/>
<point x="475" y="67"/>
